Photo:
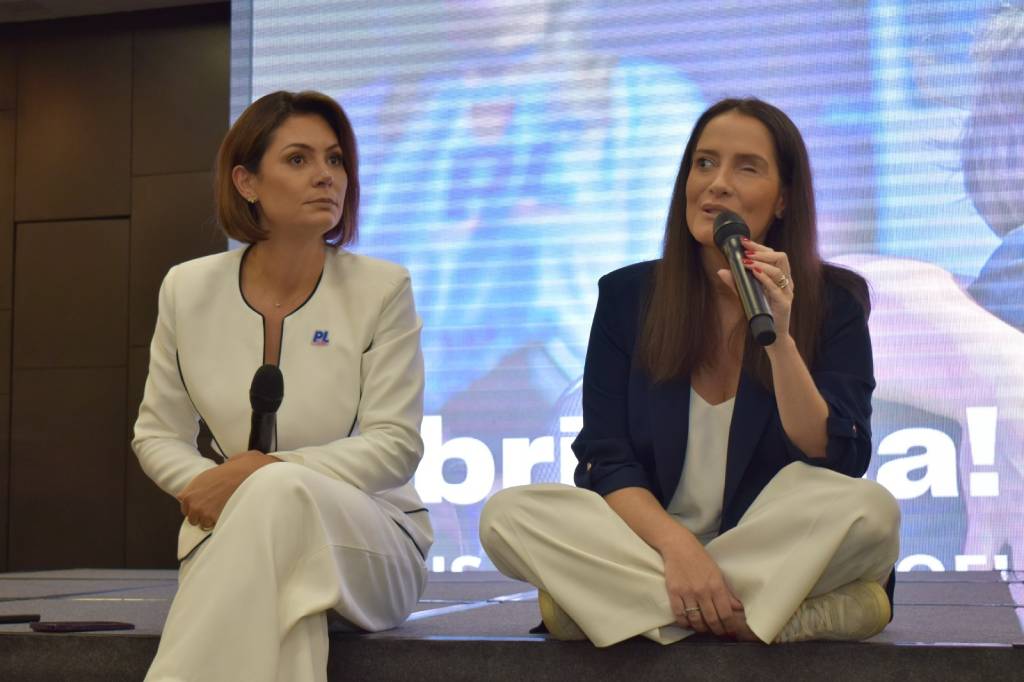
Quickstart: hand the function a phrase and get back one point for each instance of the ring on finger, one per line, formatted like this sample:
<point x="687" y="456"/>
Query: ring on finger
<point x="692" y="609"/>
<point x="782" y="281"/>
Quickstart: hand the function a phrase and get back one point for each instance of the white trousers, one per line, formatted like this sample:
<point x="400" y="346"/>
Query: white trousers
<point x="810" y="531"/>
<point x="290" y="544"/>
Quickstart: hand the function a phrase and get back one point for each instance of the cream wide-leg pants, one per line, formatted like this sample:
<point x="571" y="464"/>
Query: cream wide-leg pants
<point x="290" y="544"/>
<point x="810" y="531"/>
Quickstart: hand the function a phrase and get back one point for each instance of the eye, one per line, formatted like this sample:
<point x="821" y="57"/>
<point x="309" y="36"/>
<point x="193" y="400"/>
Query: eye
<point x="703" y="162"/>
<point x="334" y="160"/>
<point x="296" y="159"/>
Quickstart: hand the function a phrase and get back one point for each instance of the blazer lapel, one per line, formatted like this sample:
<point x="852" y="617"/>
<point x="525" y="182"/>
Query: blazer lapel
<point x="750" y="415"/>
<point x="670" y="422"/>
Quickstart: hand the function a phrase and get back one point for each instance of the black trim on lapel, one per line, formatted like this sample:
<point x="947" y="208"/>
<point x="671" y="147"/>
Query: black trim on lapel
<point x="750" y="415"/>
<point x="181" y="376"/>
<point x="670" y="424"/>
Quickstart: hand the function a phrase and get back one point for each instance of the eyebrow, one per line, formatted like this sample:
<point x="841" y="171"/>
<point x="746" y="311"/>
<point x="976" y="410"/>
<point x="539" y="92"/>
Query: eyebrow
<point x="302" y="145"/>
<point x="742" y="157"/>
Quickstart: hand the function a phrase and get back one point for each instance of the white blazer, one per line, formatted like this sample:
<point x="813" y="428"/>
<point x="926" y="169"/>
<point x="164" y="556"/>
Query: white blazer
<point x="353" y="380"/>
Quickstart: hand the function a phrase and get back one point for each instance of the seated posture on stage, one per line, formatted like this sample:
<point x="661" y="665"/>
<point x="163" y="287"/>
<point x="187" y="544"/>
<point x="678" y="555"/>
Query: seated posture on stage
<point x="324" y="518"/>
<point x="719" y="487"/>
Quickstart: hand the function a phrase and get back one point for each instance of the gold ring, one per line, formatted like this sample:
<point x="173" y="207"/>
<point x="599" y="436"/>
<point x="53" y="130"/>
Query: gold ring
<point x="783" y="282"/>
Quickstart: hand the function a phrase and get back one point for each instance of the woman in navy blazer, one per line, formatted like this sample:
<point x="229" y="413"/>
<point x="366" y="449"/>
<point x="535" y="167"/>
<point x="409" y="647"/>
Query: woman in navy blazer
<point x="719" y="485"/>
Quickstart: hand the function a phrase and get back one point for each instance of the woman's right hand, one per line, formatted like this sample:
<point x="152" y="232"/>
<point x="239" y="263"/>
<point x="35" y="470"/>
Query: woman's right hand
<point x="692" y="578"/>
<point x="203" y="499"/>
<point x="700" y="598"/>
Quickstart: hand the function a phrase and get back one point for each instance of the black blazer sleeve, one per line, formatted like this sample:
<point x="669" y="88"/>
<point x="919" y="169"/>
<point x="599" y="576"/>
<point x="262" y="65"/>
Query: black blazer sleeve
<point x="607" y="461"/>
<point x="844" y="375"/>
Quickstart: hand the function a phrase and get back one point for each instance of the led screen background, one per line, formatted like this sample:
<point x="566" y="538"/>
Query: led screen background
<point x="513" y="152"/>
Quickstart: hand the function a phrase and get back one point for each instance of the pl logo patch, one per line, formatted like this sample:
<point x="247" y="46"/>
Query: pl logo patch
<point x="320" y="337"/>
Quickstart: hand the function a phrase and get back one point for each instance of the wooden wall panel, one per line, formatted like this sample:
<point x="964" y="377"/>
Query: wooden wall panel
<point x="7" y="150"/>
<point x="74" y="126"/>
<point x="81" y="101"/>
<point x="8" y="72"/>
<point x="5" y="462"/>
<point x="8" y="57"/>
<point x="152" y="517"/>
<point x="5" y="351"/>
<point x="67" y="468"/>
<point x="180" y="98"/>
<point x="172" y="221"/>
<point x="71" y="294"/>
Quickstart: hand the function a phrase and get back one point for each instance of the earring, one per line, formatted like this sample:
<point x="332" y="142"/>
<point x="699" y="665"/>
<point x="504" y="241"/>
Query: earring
<point x="251" y="200"/>
<point x="778" y="215"/>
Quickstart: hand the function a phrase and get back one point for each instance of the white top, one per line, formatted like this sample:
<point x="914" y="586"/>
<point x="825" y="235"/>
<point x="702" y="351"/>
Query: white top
<point x="697" y="503"/>
<point x="353" y="379"/>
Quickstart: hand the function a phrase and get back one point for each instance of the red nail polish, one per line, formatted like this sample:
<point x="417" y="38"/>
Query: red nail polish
<point x="749" y="254"/>
<point x="747" y="261"/>
<point x="758" y="270"/>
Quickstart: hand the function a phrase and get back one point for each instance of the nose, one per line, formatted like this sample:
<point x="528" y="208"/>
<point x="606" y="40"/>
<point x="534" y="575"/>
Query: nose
<point x="324" y="178"/>
<point x="720" y="184"/>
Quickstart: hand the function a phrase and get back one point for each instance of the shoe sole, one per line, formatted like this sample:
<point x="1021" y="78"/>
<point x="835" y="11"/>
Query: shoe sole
<point x="882" y="601"/>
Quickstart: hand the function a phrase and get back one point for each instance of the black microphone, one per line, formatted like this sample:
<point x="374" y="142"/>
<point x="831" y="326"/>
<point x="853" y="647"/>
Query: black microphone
<point x="729" y="228"/>
<point x="265" y="396"/>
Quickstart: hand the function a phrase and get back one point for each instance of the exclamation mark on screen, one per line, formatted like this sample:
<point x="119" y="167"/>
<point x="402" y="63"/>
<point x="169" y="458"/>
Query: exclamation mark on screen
<point x="981" y="429"/>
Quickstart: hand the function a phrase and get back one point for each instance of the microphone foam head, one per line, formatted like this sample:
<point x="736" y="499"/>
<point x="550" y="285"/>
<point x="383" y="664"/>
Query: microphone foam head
<point x="728" y="224"/>
<point x="267" y="390"/>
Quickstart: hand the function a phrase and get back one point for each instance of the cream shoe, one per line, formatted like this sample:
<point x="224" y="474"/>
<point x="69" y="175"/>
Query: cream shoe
<point x="854" y="611"/>
<point x="557" y="621"/>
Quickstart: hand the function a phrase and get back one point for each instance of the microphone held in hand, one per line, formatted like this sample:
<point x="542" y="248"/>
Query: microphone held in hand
<point x="265" y="396"/>
<point x="729" y="229"/>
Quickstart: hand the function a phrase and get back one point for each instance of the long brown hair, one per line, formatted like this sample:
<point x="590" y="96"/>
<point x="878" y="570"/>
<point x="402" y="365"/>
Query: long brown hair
<point x="680" y="329"/>
<point x="247" y="142"/>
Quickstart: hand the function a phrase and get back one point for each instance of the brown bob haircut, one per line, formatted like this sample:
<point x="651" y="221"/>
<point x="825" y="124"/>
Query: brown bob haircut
<point x="680" y="329"/>
<point x="247" y="142"/>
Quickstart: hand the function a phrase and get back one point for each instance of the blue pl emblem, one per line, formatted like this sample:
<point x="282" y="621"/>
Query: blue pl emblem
<point x="320" y="337"/>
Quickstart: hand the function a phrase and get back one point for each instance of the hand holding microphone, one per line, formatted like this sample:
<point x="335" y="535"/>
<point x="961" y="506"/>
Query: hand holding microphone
<point x="203" y="499"/>
<point x="769" y="272"/>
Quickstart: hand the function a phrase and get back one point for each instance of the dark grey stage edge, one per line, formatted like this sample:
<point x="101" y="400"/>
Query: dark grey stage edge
<point x="474" y="626"/>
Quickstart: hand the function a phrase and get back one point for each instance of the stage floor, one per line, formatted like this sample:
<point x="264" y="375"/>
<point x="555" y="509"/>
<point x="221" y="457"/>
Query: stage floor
<point x="475" y="626"/>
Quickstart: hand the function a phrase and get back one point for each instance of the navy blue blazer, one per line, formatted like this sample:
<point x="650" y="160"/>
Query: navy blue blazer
<point x="634" y="432"/>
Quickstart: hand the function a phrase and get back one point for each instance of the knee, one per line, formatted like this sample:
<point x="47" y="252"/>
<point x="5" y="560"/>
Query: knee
<point x="270" y="486"/>
<point x="501" y="510"/>
<point x="527" y="508"/>
<point x="276" y="477"/>
<point x="511" y="508"/>
<point x="878" y="513"/>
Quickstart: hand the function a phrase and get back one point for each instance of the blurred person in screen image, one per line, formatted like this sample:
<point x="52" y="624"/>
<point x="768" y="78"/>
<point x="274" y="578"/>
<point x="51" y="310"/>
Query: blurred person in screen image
<point x="325" y="523"/>
<point x="944" y="345"/>
<point x="512" y="185"/>
<point x="718" y="487"/>
<point x="993" y="161"/>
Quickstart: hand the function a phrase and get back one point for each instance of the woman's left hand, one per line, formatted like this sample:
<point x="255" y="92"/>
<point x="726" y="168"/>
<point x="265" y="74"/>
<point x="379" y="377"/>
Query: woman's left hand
<point x="771" y="268"/>
<point x="203" y="499"/>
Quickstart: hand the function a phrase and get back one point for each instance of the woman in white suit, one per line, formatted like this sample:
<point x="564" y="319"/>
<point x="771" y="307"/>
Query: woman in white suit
<point x="329" y="519"/>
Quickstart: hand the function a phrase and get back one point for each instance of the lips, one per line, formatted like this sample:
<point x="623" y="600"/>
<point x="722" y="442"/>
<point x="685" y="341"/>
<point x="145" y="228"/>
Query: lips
<point x="714" y="209"/>
<point x="324" y="202"/>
